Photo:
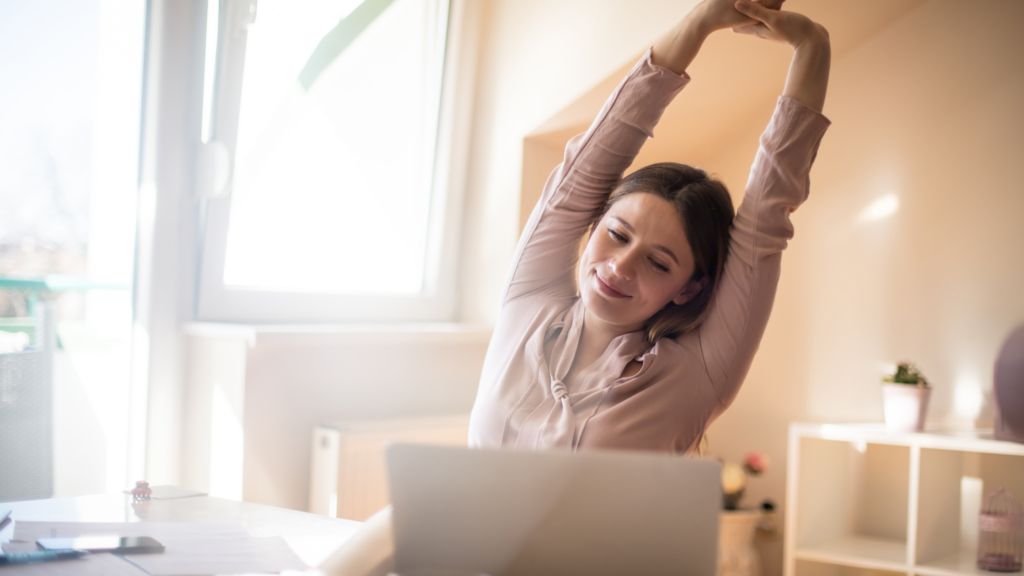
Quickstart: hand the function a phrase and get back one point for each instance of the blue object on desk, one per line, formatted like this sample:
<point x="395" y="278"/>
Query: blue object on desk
<point x="40" y="556"/>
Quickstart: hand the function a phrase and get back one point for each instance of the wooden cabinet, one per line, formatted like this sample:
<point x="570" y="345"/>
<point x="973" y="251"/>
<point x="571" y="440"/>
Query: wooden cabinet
<point x="861" y="501"/>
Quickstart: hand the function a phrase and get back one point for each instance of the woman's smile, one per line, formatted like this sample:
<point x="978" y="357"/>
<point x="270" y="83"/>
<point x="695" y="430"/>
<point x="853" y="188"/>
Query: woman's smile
<point x="609" y="288"/>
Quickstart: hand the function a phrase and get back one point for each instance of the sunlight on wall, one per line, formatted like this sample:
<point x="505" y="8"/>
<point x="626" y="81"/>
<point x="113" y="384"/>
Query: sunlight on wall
<point x="971" y="490"/>
<point x="967" y="398"/>
<point x="880" y="209"/>
<point x="226" y="446"/>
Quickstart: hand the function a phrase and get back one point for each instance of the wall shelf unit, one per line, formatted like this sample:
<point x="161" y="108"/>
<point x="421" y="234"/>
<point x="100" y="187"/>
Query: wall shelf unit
<point x="864" y="502"/>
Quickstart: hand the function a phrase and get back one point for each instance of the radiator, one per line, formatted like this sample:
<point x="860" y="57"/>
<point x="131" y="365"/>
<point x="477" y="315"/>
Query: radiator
<point x="348" y="477"/>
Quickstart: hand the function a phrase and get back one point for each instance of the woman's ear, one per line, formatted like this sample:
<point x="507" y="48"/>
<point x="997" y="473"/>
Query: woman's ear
<point x="690" y="289"/>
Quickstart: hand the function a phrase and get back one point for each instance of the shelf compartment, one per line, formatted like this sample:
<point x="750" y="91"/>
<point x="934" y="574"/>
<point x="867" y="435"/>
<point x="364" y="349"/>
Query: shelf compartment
<point x="851" y="491"/>
<point x="952" y="485"/>
<point x="962" y="563"/>
<point x="859" y="552"/>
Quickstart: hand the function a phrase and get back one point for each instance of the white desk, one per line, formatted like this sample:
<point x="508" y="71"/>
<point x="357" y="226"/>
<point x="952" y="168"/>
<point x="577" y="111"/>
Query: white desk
<point x="311" y="536"/>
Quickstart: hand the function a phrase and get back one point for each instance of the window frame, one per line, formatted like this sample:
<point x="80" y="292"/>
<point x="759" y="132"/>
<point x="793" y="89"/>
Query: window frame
<point x="437" y="300"/>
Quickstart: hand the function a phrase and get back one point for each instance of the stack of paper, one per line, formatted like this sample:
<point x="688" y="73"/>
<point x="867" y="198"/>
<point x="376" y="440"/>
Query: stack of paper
<point x="190" y="548"/>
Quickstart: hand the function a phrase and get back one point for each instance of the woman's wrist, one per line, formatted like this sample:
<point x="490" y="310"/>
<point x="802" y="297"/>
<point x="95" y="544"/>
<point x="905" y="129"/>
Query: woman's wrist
<point x="815" y="39"/>
<point x="677" y="49"/>
<point x="807" y="81"/>
<point x="698" y="23"/>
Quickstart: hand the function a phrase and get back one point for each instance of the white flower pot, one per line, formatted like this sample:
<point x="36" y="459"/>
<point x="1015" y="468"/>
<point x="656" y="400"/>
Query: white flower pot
<point x="736" y="553"/>
<point x="906" y="406"/>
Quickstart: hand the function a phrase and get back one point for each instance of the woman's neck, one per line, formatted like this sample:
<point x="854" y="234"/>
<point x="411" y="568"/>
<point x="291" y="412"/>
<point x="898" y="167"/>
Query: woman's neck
<point x="602" y="333"/>
<point x="594" y="340"/>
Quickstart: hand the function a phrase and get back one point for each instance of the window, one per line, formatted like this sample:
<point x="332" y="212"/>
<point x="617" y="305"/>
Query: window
<point x="330" y="113"/>
<point x="70" y="111"/>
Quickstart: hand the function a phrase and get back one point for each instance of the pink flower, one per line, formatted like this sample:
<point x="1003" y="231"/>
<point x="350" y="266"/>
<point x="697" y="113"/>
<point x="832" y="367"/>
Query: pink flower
<point x="755" y="463"/>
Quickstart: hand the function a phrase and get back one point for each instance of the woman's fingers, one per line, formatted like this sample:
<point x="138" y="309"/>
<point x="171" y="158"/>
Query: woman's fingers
<point x="757" y="11"/>
<point x="789" y="27"/>
<point x="759" y="30"/>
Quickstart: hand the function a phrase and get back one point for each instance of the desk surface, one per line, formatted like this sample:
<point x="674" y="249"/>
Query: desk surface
<point x="311" y="536"/>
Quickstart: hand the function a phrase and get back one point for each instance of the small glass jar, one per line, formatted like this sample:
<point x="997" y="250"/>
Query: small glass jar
<point x="142" y="491"/>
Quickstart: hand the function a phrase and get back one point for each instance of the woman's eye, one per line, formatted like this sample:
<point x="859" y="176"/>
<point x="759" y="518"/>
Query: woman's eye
<point x="616" y="235"/>
<point x="659" y="266"/>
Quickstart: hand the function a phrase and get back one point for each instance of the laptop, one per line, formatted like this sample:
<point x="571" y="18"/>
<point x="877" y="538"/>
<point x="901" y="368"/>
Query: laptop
<point x="503" y="512"/>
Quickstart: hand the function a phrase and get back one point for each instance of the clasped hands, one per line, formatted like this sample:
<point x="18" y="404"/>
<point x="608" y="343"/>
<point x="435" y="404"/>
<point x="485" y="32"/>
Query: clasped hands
<point x="761" y="18"/>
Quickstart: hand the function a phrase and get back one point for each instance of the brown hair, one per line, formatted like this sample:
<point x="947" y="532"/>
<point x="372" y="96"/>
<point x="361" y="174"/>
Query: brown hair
<point x="706" y="211"/>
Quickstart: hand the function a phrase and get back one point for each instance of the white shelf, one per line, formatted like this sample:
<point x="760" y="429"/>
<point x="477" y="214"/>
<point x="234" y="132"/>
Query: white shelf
<point x="962" y="563"/>
<point x="858" y="551"/>
<point x="862" y="499"/>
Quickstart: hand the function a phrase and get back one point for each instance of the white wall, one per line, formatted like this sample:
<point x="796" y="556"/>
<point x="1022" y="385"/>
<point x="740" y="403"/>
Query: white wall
<point x="928" y="110"/>
<point x="298" y="380"/>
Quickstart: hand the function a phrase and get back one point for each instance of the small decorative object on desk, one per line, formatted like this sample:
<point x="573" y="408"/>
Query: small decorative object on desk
<point x="736" y="553"/>
<point x="142" y="491"/>
<point x="768" y="524"/>
<point x="734" y="478"/>
<point x="905" y="399"/>
<point x="1000" y="534"/>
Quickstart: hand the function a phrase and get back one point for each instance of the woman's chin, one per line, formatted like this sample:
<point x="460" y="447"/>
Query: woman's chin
<point x="609" y="313"/>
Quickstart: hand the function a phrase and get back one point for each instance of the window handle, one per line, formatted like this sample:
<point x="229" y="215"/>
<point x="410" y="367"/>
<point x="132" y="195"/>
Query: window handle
<point x="213" y="169"/>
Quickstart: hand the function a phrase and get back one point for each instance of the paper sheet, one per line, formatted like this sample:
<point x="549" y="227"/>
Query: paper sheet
<point x="221" y="556"/>
<point x="29" y="531"/>
<point x="91" y="565"/>
<point x="190" y="547"/>
<point x="16" y="547"/>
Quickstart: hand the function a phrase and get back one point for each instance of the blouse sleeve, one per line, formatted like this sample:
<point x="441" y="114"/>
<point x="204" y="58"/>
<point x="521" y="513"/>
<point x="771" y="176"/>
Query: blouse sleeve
<point x="576" y="191"/>
<point x="779" y="182"/>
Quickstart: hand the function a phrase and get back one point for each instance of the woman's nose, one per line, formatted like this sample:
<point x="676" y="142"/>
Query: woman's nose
<point x="624" y="265"/>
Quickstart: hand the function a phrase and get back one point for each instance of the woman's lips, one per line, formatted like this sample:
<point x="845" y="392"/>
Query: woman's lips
<point x="607" y="290"/>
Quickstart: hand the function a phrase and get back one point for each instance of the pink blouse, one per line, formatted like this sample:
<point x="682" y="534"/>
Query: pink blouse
<point x="684" y="383"/>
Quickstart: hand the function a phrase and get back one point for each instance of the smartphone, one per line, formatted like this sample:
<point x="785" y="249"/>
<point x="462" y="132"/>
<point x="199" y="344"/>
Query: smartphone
<point x="113" y="544"/>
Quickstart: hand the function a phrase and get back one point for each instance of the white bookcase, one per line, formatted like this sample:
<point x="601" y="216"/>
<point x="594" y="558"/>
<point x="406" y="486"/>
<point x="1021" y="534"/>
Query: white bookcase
<point x="863" y="502"/>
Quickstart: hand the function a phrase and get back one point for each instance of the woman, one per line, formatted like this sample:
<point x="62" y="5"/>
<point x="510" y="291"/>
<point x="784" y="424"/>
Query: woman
<point x="671" y="302"/>
<point x="673" y="293"/>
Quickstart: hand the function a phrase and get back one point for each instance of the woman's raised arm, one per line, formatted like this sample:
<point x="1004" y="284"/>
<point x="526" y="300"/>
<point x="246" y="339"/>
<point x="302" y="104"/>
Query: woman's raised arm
<point x="808" y="72"/>
<point x="779" y="182"/>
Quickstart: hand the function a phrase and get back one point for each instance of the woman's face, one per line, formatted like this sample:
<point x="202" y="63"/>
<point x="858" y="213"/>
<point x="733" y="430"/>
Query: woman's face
<point x="637" y="261"/>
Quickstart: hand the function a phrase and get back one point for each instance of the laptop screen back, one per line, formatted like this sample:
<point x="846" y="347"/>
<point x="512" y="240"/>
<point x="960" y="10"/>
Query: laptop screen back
<point x="506" y="512"/>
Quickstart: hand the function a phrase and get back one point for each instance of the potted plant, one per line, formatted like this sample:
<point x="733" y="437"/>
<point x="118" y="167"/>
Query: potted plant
<point x="905" y="399"/>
